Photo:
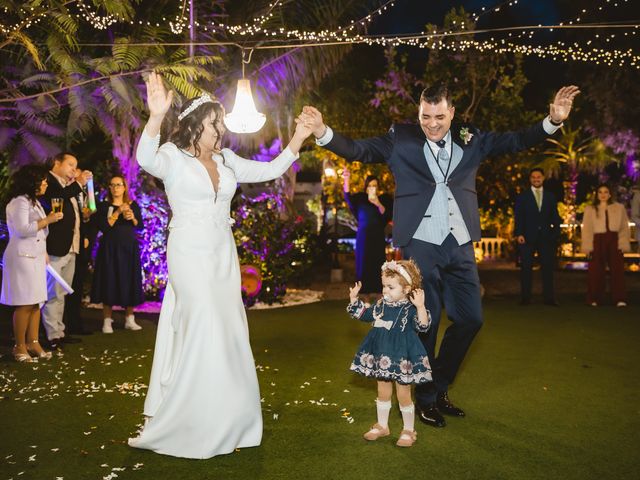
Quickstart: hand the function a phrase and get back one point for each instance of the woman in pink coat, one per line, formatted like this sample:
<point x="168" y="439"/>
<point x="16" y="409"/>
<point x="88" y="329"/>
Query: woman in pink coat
<point x="24" y="278"/>
<point x="605" y="236"/>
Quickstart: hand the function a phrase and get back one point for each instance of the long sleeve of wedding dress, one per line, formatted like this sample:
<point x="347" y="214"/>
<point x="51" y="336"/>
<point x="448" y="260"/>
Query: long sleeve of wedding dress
<point x="252" y="171"/>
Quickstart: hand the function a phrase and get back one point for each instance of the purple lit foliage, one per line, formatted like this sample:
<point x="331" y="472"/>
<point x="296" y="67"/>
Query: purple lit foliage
<point x="279" y="244"/>
<point x="266" y="154"/>
<point x="153" y="242"/>
<point x="626" y="143"/>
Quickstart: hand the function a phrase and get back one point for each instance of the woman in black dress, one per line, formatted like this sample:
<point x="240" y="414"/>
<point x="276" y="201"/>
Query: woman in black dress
<point x="118" y="276"/>
<point x="373" y="211"/>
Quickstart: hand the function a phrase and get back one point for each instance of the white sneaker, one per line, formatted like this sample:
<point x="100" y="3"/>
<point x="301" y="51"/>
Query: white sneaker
<point x="621" y="304"/>
<point x="106" y="325"/>
<point x="130" y="323"/>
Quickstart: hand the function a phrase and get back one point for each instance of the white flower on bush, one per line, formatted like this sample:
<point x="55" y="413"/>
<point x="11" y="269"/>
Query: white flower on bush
<point x="385" y="362"/>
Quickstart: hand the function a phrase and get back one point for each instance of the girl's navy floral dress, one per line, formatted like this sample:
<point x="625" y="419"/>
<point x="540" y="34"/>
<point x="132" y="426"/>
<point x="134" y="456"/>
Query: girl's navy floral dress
<point x="391" y="350"/>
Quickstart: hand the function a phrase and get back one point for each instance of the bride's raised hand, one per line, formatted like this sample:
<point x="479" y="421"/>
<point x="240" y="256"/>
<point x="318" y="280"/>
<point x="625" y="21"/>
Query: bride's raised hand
<point x="158" y="98"/>
<point x="302" y="130"/>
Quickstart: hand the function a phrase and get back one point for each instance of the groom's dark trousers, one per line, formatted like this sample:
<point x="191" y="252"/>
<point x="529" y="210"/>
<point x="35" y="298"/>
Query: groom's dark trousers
<point x="450" y="274"/>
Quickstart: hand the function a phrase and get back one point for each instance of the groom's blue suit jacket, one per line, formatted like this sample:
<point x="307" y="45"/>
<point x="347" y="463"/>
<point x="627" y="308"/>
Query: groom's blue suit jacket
<point x="403" y="149"/>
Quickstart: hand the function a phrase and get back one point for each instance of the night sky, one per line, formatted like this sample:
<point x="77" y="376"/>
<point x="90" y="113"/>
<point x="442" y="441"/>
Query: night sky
<point x="411" y="16"/>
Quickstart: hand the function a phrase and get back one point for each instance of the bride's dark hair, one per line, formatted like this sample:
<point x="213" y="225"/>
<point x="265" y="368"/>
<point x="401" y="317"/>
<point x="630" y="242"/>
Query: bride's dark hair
<point x="189" y="129"/>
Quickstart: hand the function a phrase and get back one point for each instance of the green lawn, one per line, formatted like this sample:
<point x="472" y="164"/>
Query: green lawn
<point x="549" y="393"/>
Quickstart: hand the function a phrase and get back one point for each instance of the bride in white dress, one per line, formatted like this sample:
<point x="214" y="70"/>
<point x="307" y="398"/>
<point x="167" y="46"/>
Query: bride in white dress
<point x="203" y="397"/>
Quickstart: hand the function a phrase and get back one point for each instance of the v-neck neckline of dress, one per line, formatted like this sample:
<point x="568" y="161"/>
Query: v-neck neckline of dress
<point x="215" y="187"/>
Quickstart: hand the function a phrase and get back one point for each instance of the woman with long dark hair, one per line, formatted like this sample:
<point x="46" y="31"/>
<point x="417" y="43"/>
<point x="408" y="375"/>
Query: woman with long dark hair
<point x="605" y="236"/>
<point x="24" y="277"/>
<point x="203" y="398"/>
<point x="373" y="212"/>
<point x="118" y="276"/>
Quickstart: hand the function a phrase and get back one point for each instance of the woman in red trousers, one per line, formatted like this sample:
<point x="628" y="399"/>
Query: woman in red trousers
<point x="605" y="236"/>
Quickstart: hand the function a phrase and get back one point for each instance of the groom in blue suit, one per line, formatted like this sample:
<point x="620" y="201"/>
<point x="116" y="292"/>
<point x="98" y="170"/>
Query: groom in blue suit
<point x="537" y="229"/>
<point x="435" y="216"/>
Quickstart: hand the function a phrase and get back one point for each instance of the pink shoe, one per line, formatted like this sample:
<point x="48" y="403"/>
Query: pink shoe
<point x="407" y="438"/>
<point x="376" y="432"/>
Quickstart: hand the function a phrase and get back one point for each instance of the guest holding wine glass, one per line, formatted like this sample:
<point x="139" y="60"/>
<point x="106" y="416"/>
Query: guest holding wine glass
<point x="65" y="182"/>
<point x="24" y="277"/>
<point x="118" y="275"/>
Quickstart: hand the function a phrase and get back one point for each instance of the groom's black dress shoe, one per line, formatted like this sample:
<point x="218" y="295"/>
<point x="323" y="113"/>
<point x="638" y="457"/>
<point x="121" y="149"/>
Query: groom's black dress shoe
<point x="429" y="415"/>
<point x="445" y="406"/>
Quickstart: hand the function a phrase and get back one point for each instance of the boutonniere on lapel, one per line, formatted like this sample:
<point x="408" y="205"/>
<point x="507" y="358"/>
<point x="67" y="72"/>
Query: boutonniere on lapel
<point x="465" y="135"/>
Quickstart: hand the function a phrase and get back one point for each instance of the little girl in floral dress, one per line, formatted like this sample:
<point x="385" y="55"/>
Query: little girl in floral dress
<point x="392" y="352"/>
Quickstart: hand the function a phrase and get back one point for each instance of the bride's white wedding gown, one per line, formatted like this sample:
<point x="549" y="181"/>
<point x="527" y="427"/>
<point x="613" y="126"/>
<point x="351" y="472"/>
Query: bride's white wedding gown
<point x="203" y="397"/>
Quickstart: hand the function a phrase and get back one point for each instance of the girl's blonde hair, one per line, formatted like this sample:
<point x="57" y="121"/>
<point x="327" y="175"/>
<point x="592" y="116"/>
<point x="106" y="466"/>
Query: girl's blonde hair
<point x="391" y="270"/>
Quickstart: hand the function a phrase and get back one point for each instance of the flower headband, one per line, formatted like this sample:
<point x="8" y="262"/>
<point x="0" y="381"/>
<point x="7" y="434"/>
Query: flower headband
<point x="396" y="267"/>
<point x="201" y="100"/>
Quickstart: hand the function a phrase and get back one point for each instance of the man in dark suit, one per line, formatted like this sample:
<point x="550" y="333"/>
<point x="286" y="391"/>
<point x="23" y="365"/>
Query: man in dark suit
<point x="73" y="303"/>
<point x="65" y="182"/>
<point x="435" y="215"/>
<point x="537" y="229"/>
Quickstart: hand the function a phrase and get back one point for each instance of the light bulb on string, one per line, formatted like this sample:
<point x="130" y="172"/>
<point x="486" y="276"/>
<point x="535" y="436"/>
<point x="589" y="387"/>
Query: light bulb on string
<point x="244" y="117"/>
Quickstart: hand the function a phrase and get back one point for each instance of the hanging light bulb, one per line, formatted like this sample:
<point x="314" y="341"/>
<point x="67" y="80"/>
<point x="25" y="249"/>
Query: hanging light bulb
<point x="244" y="118"/>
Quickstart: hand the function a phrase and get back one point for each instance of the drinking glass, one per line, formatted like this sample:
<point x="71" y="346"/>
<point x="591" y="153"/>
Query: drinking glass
<point x="56" y="205"/>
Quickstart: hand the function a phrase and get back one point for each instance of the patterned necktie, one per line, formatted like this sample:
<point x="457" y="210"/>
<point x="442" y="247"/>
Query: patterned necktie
<point x="538" y="195"/>
<point x="443" y="156"/>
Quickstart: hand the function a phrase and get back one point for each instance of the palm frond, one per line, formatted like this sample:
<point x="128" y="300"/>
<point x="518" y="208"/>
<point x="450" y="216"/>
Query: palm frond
<point x="104" y="65"/>
<point x="60" y="56"/>
<point x="126" y="56"/>
<point x="38" y="146"/>
<point x="106" y="122"/>
<point x="40" y="125"/>
<point x="122" y="89"/>
<point x="182" y="85"/>
<point x="7" y="135"/>
<point x="82" y="110"/>
<point x="42" y="80"/>
<point x="66" y="25"/>
<point x="122" y="9"/>
<point x="29" y="46"/>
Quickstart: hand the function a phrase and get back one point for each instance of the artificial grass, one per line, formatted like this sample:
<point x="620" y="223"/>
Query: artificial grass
<point x="549" y="393"/>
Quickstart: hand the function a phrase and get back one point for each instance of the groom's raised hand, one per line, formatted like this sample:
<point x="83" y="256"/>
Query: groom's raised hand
<point x="562" y="103"/>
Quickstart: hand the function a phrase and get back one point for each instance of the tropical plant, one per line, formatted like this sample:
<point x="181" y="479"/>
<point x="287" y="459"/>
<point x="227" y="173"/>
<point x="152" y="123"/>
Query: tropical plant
<point x="57" y="103"/>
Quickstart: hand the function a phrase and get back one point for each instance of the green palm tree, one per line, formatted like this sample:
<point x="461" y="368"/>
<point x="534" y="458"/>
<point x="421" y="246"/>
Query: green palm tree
<point x="57" y="103"/>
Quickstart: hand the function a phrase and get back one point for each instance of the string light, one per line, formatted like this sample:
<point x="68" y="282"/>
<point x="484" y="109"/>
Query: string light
<point x="584" y="12"/>
<point x="282" y="38"/>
